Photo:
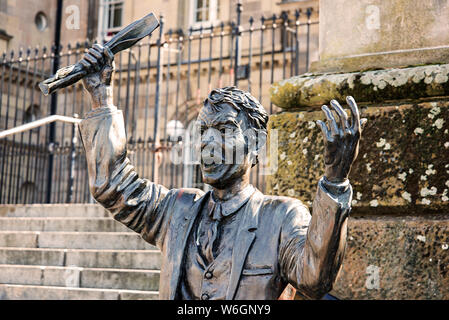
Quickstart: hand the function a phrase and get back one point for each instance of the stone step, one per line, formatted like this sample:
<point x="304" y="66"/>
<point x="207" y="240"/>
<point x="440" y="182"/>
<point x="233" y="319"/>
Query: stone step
<point x="146" y="280"/>
<point x="61" y="224"/>
<point x="88" y="258"/>
<point x="29" y="292"/>
<point x="73" y="240"/>
<point x="54" y="210"/>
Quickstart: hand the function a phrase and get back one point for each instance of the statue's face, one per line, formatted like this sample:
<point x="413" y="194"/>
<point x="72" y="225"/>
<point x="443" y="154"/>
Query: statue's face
<point x="225" y="154"/>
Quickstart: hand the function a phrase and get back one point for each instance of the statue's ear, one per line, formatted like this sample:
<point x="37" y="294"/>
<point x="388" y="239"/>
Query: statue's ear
<point x="256" y="140"/>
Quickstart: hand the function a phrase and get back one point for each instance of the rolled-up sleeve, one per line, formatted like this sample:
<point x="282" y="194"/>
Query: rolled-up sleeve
<point x="137" y="203"/>
<point x="311" y="254"/>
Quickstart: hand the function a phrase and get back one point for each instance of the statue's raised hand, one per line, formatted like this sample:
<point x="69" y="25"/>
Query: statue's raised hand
<point x="99" y="61"/>
<point x="341" y="139"/>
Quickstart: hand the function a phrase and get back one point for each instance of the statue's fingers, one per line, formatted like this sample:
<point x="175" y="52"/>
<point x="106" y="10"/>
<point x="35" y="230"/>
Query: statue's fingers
<point x="324" y="129"/>
<point x="98" y="47"/>
<point x="355" y="115"/>
<point x="95" y="53"/>
<point x="93" y="61"/>
<point x="363" y="122"/>
<point x="331" y="120"/>
<point x="109" y="56"/>
<point x="86" y="64"/>
<point x="341" y="114"/>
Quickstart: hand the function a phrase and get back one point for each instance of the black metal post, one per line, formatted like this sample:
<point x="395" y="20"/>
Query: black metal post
<point x="54" y="96"/>
<point x="157" y="102"/>
<point x="238" y="40"/>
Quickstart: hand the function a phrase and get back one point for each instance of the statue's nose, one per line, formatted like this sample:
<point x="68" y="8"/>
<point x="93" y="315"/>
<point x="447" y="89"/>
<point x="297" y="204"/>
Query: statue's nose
<point x="211" y="135"/>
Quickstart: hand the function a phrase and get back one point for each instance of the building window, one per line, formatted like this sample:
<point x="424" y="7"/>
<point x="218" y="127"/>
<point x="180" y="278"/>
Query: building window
<point x="204" y="12"/>
<point x="115" y="13"/>
<point x="110" y="19"/>
<point x="41" y="21"/>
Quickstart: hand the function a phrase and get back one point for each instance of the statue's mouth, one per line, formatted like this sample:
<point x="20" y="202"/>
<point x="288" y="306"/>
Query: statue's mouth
<point x="210" y="167"/>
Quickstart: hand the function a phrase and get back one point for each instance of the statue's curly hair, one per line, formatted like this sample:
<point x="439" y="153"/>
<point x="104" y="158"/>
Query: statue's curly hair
<point x="241" y="101"/>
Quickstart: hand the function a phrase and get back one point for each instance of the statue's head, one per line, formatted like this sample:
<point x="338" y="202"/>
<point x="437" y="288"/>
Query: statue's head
<point x="233" y="126"/>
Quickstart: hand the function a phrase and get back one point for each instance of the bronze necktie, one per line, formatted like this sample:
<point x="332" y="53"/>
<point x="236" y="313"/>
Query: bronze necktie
<point x="212" y="233"/>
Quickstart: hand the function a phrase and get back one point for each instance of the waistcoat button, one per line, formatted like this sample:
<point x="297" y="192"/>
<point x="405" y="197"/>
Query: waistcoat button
<point x="208" y="275"/>
<point x="204" y="296"/>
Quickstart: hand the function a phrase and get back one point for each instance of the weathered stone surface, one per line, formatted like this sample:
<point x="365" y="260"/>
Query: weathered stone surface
<point x="381" y="34"/>
<point x="62" y="224"/>
<point x="53" y="210"/>
<point x="29" y="292"/>
<point x="402" y="164"/>
<point x="310" y="90"/>
<point x="395" y="258"/>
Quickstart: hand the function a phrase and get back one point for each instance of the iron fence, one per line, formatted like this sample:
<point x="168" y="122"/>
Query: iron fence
<point x="159" y="84"/>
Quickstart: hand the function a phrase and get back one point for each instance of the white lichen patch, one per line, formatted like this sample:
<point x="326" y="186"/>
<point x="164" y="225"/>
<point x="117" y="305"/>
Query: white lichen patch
<point x="421" y="238"/>
<point x="374" y="203"/>
<point x="430" y="170"/>
<point x="447" y="183"/>
<point x="381" y="143"/>
<point x="402" y="176"/>
<point x="410" y="171"/>
<point x="359" y="195"/>
<point x="368" y="167"/>
<point x="305" y="140"/>
<point x="407" y="196"/>
<point x="289" y="163"/>
<point x="311" y="124"/>
<point x="444" y="246"/>
<point x="387" y="146"/>
<point x="304" y="152"/>
<point x="418" y="131"/>
<point x="424" y="192"/>
<point x="317" y="156"/>
<point x="292" y="135"/>
<point x="283" y="156"/>
<point x="423" y="178"/>
<point x="291" y="192"/>
<point x="438" y="123"/>
<point x="434" y="112"/>
<point x="425" y="201"/>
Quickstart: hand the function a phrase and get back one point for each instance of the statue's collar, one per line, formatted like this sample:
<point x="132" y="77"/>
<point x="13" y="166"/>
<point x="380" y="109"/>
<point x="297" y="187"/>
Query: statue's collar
<point x="233" y="204"/>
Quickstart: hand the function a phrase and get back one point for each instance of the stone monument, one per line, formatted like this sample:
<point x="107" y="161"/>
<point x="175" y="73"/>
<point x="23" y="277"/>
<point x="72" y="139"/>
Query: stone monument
<point x="393" y="57"/>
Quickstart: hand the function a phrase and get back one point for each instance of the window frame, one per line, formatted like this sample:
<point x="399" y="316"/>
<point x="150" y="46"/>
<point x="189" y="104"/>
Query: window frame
<point x="213" y="19"/>
<point x="104" y="18"/>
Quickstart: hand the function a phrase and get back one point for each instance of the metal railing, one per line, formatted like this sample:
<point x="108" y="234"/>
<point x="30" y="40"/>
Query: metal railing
<point x="38" y="123"/>
<point x="159" y="84"/>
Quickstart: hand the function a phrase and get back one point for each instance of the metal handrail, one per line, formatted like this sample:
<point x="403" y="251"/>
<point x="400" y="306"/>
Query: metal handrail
<point x="38" y="123"/>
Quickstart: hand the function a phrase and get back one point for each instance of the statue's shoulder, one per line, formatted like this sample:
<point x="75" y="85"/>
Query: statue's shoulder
<point x="283" y="206"/>
<point x="188" y="194"/>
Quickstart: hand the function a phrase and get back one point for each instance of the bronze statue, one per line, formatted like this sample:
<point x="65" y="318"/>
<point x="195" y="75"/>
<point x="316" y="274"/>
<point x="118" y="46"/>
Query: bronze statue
<point x="232" y="242"/>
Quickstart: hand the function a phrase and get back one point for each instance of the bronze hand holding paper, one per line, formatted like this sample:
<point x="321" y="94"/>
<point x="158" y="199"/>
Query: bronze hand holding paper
<point x="99" y="61"/>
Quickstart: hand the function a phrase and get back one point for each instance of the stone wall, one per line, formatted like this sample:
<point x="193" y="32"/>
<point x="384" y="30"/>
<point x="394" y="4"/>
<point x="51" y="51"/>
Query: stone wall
<point x="398" y="233"/>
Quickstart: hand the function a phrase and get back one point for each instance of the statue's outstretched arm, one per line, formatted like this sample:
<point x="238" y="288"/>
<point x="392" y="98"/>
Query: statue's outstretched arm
<point x="319" y="254"/>
<point x="135" y="202"/>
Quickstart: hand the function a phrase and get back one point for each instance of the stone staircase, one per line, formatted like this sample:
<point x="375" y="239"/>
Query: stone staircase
<point x="75" y="252"/>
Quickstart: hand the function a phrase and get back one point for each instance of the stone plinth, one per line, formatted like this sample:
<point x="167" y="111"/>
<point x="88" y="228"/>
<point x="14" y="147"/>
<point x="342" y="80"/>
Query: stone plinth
<point x="402" y="163"/>
<point x="309" y="91"/>
<point x="372" y="34"/>
<point x="398" y="230"/>
<point x="395" y="258"/>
